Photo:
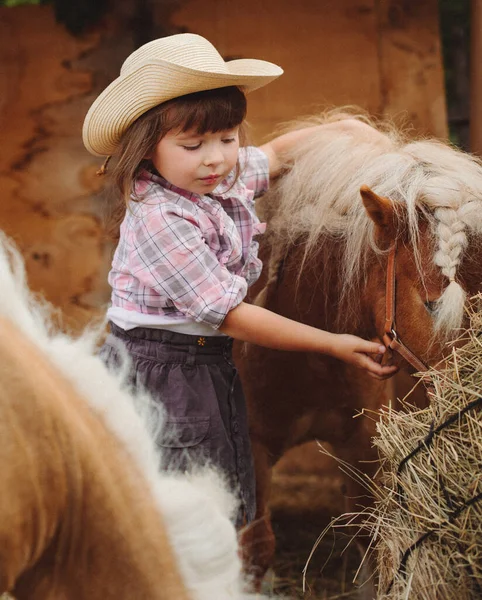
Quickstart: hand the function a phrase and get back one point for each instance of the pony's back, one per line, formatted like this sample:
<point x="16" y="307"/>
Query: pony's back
<point x="78" y="519"/>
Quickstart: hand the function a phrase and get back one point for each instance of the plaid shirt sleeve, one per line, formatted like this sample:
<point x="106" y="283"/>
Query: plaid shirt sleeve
<point x="174" y="260"/>
<point x="254" y="169"/>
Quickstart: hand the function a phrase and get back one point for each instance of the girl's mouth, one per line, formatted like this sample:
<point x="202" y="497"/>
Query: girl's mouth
<point x="210" y="178"/>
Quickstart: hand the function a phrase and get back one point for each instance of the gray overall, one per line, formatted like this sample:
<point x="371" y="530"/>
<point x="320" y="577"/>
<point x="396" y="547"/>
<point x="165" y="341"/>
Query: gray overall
<point x="198" y="385"/>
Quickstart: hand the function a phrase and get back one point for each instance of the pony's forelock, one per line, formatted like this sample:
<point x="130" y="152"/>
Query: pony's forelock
<point x="319" y="199"/>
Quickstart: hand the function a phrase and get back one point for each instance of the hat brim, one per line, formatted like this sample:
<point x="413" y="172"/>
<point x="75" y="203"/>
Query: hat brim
<point x="131" y="95"/>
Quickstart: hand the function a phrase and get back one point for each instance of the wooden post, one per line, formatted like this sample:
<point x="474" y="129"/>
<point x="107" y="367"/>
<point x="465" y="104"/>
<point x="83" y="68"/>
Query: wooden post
<point x="411" y="70"/>
<point x="476" y="78"/>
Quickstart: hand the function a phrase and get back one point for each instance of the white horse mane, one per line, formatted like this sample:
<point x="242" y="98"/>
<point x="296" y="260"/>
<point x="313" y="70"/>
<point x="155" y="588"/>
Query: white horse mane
<point x="319" y="198"/>
<point x="195" y="509"/>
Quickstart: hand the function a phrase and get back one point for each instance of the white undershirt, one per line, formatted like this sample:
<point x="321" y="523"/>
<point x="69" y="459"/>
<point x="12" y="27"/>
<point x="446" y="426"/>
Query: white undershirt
<point x="129" y="319"/>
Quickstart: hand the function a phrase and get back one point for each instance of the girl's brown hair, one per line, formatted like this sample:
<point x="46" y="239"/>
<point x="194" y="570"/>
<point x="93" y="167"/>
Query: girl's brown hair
<point x="208" y="111"/>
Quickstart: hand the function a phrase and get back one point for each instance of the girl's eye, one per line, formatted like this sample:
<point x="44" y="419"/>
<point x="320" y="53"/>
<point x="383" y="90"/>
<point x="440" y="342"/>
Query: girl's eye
<point x="192" y="147"/>
<point x="229" y="140"/>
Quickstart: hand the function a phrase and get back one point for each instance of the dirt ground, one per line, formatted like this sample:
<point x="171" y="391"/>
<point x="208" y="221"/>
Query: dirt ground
<point x="307" y="494"/>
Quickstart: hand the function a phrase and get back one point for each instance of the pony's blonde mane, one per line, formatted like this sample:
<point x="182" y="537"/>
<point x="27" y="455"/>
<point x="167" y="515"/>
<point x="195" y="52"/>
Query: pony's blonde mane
<point x="319" y="199"/>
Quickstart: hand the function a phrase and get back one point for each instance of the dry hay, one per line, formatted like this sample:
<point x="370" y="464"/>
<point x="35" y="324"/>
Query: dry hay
<point x="427" y="520"/>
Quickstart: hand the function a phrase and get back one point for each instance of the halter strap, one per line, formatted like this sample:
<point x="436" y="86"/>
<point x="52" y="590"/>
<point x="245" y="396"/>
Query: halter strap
<point x="391" y="338"/>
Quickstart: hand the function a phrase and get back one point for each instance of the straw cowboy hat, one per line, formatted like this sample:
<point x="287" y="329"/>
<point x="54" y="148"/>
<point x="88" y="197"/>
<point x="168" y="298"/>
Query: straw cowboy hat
<point x="161" y="70"/>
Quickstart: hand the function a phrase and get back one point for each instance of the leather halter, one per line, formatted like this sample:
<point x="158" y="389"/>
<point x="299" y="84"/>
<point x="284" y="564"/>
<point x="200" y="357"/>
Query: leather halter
<point x="391" y="338"/>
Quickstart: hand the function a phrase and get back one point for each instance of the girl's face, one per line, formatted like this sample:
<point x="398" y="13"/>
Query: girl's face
<point x="196" y="162"/>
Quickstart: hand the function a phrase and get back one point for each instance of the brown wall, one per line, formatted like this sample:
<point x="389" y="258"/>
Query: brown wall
<point x="382" y="55"/>
<point x="46" y="178"/>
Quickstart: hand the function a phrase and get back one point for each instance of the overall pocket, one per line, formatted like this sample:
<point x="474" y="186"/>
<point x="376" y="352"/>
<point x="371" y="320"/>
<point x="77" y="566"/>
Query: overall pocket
<point x="184" y="443"/>
<point x="183" y="432"/>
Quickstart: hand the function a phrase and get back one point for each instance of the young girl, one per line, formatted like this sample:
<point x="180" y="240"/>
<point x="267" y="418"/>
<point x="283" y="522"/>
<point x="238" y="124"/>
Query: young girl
<point x="187" y="254"/>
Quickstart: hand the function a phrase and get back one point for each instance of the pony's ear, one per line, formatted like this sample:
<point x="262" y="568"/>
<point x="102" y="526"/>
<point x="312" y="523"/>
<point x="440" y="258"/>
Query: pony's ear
<point x="380" y="210"/>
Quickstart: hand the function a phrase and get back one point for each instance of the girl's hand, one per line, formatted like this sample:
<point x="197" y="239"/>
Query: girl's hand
<point x="277" y="149"/>
<point x="362" y="354"/>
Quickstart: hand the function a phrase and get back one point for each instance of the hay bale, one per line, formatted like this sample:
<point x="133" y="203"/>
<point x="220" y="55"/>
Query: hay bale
<point x="427" y="519"/>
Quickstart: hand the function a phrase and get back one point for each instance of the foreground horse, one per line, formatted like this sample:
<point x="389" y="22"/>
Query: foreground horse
<point x="347" y="208"/>
<point x="84" y="514"/>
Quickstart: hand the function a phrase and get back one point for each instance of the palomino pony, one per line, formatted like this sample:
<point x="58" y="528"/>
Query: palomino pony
<point x="84" y="513"/>
<point x="349" y="209"/>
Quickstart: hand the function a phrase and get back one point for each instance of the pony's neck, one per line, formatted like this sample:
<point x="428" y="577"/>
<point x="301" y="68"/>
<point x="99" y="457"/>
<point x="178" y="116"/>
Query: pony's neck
<point x="319" y="297"/>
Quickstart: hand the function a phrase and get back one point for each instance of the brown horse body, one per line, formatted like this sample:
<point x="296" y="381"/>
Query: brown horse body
<point x="293" y="398"/>
<point x="78" y="520"/>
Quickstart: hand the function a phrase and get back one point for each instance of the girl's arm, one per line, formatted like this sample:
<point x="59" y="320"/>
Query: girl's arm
<point x="250" y="323"/>
<point x="276" y="148"/>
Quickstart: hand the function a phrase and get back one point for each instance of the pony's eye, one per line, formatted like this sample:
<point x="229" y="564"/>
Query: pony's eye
<point x="431" y="306"/>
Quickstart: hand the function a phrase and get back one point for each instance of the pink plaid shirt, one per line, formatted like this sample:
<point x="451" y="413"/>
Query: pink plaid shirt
<point x="185" y="255"/>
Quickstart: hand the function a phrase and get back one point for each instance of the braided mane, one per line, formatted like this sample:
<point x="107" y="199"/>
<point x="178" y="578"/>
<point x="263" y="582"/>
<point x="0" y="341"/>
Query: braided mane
<point x="319" y="199"/>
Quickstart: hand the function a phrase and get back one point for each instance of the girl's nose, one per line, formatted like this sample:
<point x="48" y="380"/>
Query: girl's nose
<point x="213" y="156"/>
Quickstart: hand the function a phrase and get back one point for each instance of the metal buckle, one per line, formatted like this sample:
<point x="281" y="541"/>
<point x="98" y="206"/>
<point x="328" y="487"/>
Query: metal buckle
<point x="394" y="335"/>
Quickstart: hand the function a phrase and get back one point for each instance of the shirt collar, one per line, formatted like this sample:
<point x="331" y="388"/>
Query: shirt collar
<point x="159" y="179"/>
